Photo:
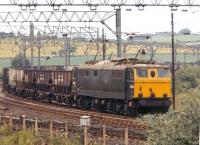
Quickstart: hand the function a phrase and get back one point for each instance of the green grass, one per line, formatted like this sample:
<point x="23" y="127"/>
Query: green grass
<point x="182" y="38"/>
<point x="28" y="137"/>
<point x="4" y="62"/>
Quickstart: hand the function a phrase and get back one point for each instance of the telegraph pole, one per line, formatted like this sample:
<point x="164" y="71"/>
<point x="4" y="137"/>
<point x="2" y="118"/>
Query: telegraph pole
<point x="173" y="61"/>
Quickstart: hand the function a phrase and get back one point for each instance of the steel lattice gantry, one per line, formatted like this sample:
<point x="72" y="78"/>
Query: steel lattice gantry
<point x="59" y="3"/>
<point x="30" y="13"/>
<point x="55" y="16"/>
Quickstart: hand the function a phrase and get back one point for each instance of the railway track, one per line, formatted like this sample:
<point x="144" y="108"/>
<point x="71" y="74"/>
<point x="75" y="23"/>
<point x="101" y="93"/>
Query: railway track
<point x="110" y="120"/>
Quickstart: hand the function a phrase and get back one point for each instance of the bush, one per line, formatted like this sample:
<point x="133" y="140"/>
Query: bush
<point x="0" y="75"/>
<point x="17" y="61"/>
<point x="180" y="127"/>
<point x="187" y="78"/>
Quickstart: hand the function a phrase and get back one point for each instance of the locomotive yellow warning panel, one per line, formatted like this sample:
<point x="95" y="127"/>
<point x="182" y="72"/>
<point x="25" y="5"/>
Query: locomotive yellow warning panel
<point x="152" y="82"/>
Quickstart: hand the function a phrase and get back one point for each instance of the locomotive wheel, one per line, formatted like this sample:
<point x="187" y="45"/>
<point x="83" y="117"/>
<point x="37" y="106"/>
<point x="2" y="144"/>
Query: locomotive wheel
<point x="50" y="97"/>
<point x="35" y="95"/>
<point x="87" y="104"/>
<point x="80" y="102"/>
<point x="97" y="105"/>
<point x="59" y="100"/>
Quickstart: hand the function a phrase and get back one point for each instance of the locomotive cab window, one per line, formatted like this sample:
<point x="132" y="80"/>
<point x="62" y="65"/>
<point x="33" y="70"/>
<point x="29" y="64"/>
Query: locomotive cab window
<point x="142" y="73"/>
<point x="163" y="73"/>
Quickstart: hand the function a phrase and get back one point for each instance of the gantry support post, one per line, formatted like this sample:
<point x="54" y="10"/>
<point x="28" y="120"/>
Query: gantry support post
<point x="67" y="51"/>
<point x="104" y="45"/>
<point x="31" y="42"/>
<point x="118" y="32"/>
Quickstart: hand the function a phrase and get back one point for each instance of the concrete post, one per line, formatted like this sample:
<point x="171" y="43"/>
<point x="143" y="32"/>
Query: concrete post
<point x="66" y="128"/>
<point x="10" y="122"/>
<point x="85" y="129"/>
<point x="104" y="135"/>
<point x="24" y="122"/>
<point x="0" y="119"/>
<point x="51" y="129"/>
<point x="36" y="126"/>
<point x="126" y="136"/>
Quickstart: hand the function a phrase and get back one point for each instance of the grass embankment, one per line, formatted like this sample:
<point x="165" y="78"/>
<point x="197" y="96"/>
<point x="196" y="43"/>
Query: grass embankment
<point x="8" y="137"/>
<point x="179" y="127"/>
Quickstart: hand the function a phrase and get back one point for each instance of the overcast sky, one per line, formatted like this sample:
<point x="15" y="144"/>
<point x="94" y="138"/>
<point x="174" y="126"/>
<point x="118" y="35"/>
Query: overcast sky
<point x="159" y="19"/>
<point x="150" y="20"/>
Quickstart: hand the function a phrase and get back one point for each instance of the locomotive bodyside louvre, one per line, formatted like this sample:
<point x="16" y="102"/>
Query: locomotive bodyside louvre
<point x="100" y="83"/>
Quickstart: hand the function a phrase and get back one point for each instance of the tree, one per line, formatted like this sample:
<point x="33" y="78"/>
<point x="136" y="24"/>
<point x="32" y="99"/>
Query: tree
<point x="17" y="61"/>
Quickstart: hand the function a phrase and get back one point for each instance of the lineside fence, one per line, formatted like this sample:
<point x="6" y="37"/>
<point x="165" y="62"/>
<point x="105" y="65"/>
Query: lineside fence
<point x="95" y="134"/>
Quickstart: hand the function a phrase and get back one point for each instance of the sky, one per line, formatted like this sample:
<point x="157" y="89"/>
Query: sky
<point x="150" y="20"/>
<point x="153" y="19"/>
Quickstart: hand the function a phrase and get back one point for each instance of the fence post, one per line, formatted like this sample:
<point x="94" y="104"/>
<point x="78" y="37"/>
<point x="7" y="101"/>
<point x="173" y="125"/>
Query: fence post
<point x="0" y="119"/>
<point x="66" y="128"/>
<point x="10" y="122"/>
<point x="104" y="135"/>
<point x="126" y="136"/>
<point x="88" y="138"/>
<point x="36" y="126"/>
<point x="51" y="129"/>
<point x="24" y="122"/>
<point x="85" y="129"/>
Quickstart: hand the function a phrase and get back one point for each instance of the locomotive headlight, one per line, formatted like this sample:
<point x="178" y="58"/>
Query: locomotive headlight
<point x="74" y="83"/>
<point x="131" y="86"/>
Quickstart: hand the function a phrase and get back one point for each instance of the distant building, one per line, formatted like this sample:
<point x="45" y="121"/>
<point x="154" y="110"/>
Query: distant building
<point x="163" y="33"/>
<point x="185" y="31"/>
<point x="138" y="38"/>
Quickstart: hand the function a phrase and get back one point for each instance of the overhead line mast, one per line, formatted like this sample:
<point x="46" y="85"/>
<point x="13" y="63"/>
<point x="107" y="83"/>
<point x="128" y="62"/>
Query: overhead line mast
<point x="173" y="61"/>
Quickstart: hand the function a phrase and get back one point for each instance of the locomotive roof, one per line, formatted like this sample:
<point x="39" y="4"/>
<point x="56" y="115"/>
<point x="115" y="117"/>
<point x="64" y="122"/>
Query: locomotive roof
<point x="121" y="65"/>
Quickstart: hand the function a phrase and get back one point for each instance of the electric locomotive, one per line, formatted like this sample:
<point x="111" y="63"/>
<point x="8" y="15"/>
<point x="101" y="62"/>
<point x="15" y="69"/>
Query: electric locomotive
<point x="123" y="86"/>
